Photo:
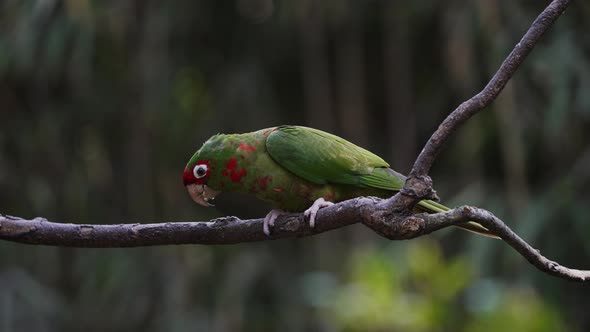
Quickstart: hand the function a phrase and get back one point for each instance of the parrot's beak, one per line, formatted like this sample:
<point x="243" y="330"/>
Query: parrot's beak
<point x="201" y="194"/>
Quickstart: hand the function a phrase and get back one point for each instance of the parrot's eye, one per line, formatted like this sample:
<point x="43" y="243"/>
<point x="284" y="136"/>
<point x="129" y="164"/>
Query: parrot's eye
<point x="199" y="171"/>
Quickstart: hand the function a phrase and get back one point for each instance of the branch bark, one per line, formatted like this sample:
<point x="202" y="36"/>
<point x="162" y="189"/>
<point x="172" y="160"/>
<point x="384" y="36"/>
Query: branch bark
<point x="225" y="230"/>
<point x="392" y="218"/>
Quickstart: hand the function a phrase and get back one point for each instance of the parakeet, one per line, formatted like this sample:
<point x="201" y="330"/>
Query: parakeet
<point x="296" y="169"/>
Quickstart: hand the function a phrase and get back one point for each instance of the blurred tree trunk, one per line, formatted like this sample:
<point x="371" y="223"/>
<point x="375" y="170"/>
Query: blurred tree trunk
<point x="350" y="74"/>
<point x="399" y="97"/>
<point x="461" y="67"/>
<point x="144" y="51"/>
<point x="508" y="118"/>
<point x="315" y="66"/>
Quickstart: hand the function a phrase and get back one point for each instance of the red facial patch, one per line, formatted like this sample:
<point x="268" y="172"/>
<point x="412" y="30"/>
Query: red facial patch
<point x="232" y="171"/>
<point x="247" y="148"/>
<point x="188" y="177"/>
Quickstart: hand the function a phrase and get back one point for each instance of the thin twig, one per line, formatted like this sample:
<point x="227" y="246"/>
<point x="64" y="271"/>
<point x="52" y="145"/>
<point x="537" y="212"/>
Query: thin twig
<point x="498" y="227"/>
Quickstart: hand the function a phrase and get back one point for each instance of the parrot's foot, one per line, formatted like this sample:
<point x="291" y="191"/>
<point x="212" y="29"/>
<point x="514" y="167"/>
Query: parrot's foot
<point x="269" y="220"/>
<point x="313" y="210"/>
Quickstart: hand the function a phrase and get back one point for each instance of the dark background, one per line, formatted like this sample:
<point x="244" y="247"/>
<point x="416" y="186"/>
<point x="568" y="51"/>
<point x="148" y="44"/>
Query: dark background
<point x="103" y="102"/>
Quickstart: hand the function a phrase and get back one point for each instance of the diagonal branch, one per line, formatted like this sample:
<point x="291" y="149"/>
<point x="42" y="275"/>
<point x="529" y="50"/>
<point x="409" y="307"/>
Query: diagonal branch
<point x="533" y="255"/>
<point x="486" y="96"/>
<point x="498" y="227"/>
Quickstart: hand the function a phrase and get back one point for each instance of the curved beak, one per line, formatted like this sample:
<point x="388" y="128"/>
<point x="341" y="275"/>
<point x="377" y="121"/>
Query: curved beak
<point x="201" y="194"/>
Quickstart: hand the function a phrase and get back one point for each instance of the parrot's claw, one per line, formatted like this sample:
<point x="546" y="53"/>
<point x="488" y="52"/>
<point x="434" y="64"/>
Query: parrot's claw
<point x="269" y="220"/>
<point x="314" y="208"/>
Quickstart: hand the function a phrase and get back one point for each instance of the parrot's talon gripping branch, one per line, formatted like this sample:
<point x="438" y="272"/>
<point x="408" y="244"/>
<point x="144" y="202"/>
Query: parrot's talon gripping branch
<point x="314" y="208"/>
<point x="269" y="220"/>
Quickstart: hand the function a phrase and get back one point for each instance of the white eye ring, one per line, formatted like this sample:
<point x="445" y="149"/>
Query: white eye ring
<point x="200" y="171"/>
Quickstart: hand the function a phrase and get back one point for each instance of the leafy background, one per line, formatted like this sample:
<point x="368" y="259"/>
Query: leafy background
<point x="103" y="102"/>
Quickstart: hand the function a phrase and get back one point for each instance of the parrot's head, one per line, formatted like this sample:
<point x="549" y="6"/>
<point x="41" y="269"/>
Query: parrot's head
<point x="199" y="170"/>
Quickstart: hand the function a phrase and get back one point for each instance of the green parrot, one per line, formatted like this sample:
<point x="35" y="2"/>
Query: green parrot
<point x="296" y="169"/>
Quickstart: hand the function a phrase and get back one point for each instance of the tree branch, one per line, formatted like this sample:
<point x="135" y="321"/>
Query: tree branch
<point x="373" y="212"/>
<point x="498" y="227"/>
<point x="391" y="218"/>
<point x="225" y="230"/>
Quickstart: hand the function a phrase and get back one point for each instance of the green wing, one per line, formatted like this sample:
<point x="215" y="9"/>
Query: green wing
<point x="321" y="158"/>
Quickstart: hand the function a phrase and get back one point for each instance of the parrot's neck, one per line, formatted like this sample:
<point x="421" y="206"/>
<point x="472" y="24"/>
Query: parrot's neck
<point x="238" y="163"/>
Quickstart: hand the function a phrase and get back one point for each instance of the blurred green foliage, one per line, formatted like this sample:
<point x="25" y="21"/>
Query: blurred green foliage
<point x="103" y="102"/>
<point x="418" y="290"/>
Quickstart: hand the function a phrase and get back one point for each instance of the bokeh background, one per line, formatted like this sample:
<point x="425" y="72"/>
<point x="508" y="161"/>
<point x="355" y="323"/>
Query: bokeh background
<point x="103" y="102"/>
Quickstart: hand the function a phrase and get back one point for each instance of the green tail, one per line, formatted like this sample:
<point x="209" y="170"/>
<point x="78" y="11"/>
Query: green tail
<point x="434" y="207"/>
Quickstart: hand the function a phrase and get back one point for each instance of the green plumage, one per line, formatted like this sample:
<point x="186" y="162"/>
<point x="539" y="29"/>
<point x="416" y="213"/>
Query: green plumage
<point x="323" y="158"/>
<point x="292" y="166"/>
